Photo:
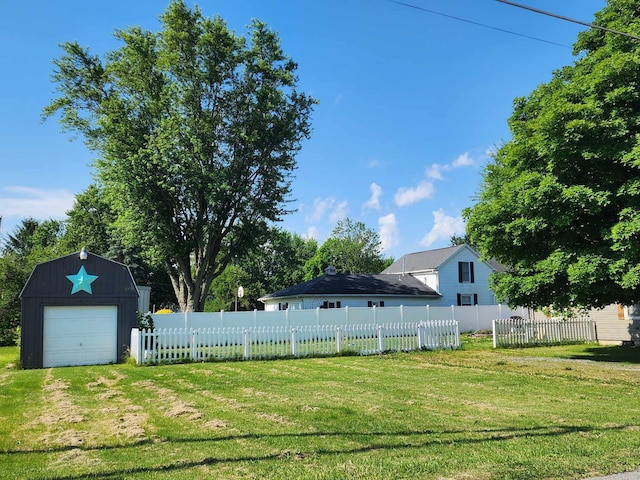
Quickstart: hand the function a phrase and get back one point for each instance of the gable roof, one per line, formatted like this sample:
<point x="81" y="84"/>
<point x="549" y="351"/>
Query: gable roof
<point x="420" y="261"/>
<point x="357" y="284"/>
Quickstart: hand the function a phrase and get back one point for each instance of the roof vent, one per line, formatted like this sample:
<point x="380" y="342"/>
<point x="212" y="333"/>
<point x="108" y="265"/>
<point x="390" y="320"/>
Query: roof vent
<point x="330" y="270"/>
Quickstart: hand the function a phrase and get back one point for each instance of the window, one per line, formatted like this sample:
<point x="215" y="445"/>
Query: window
<point x="467" y="299"/>
<point x="283" y="306"/>
<point x="375" y="304"/>
<point x="327" y="304"/>
<point x="465" y="272"/>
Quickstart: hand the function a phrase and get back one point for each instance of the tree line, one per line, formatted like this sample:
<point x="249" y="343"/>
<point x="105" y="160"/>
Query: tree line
<point x="282" y="260"/>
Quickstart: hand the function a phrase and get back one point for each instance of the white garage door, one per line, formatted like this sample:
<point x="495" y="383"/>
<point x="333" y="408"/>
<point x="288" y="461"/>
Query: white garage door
<point x="80" y="335"/>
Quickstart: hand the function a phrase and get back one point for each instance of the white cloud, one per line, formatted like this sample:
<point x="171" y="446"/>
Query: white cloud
<point x="463" y="160"/>
<point x="435" y="171"/>
<point x="340" y="212"/>
<point x="328" y="206"/>
<point x="373" y="162"/>
<point x="407" y="196"/>
<point x="389" y="236"/>
<point x="24" y="202"/>
<point x="374" y="201"/>
<point x="444" y="227"/>
<point x="320" y="207"/>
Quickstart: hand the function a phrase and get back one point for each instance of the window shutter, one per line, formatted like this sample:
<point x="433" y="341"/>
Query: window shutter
<point x="459" y="273"/>
<point x="459" y="299"/>
<point x="471" y="272"/>
<point x="369" y="303"/>
<point x="475" y="298"/>
<point x="382" y="303"/>
<point x="339" y="304"/>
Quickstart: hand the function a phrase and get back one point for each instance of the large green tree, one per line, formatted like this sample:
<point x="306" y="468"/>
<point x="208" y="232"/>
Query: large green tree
<point x="351" y="248"/>
<point x="89" y="222"/>
<point x="196" y="130"/>
<point x="560" y="202"/>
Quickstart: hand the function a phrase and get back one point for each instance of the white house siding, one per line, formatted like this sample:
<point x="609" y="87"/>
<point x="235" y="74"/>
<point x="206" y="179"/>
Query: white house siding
<point x="429" y="279"/>
<point x="315" y="302"/>
<point x="450" y="286"/>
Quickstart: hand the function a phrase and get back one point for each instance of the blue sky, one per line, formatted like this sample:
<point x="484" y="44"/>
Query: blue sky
<point x="411" y="102"/>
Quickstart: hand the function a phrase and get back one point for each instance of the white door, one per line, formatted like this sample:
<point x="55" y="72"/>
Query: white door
<point x="80" y="335"/>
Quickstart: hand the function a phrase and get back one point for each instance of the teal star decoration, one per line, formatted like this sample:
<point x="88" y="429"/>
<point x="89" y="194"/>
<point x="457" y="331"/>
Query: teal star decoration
<point x="81" y="281"/>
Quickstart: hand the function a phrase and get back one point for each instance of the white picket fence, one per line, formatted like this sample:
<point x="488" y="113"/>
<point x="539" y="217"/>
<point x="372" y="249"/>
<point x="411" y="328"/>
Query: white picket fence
<point x="168" y="345"/>
<point x="523" y="332"/>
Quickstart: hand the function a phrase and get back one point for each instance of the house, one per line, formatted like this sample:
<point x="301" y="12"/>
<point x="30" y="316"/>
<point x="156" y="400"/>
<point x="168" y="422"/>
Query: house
<point x="441" y="277"/>
<point x="456" y="273"/>
<point x="614" y="323"/>
<point x="77" y="310"/>
<point x="334" y="290"/>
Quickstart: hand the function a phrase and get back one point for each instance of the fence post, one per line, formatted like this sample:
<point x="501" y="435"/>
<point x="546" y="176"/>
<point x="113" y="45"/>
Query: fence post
<point x="346" y="315"/>
<point x="420" y="326"/>
<point x="245" y="343"/>
<point x="337" y="339"/>
<point x="293" y="342"/>
<point x="380" y="339"/>
<point x="477" y="317"/>
<point x="402" y="314"/>
<point x="194" y="347"/>
<point x="138" y="334"/>
<point x="428" y="313"/>
<point x="495" y="335"/>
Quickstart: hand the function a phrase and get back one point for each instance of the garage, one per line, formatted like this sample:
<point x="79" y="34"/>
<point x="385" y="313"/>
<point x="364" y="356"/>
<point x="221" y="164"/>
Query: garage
<point x="79" y="336"/>
<point x="77" y="310"/>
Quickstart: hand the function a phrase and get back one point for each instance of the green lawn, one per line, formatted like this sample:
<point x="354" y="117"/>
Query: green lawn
<point x="474" y="413"/>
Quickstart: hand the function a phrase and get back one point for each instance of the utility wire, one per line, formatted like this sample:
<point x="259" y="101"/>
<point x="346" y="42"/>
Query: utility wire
<point x="477" y="23"/>
<point x="591" y="25"/>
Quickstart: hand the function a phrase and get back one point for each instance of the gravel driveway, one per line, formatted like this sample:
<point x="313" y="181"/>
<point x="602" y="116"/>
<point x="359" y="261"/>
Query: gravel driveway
<point x="635" y="475"/>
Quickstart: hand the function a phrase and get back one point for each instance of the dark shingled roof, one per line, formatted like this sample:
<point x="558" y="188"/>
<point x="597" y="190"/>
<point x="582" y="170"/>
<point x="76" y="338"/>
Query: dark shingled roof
<point x="419" y="261"/>
<point x="358" y="284"/>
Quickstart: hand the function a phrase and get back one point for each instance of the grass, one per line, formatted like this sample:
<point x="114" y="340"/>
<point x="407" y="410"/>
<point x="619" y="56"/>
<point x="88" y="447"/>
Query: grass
<point x="474" y="413"/>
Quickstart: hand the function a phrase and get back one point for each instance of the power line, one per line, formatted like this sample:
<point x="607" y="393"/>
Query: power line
<point x="477" y="23"/>
<point x="591" y="25"/>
